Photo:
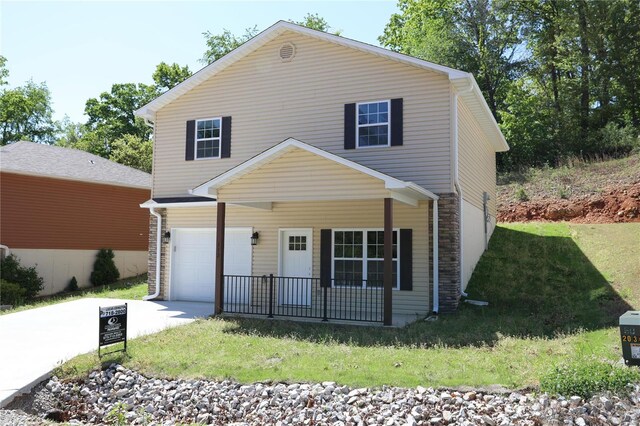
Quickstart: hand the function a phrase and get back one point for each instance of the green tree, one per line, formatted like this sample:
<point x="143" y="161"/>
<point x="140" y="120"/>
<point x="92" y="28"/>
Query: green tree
<point x="477" y="36"/>
<point x="132" y="151"/>
<point x="167" y="76"/>
<point x="219" y="45"/>
<point x="315" y="22"/>
<point x="26" y="114"/>
<point x="111" y="115"/>
<point x="80" y="136"/>
<point x="4" y="72"/>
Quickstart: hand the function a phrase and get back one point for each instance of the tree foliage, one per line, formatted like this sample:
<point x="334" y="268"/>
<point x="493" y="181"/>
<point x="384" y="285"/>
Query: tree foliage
<point x="132" y="151"/>
<point x="219" y="45"/>
<point x="315" y="22"/>
<point x="167" y="76"/>
<point x="555" y="73"/>
<point x="25" y="111"/>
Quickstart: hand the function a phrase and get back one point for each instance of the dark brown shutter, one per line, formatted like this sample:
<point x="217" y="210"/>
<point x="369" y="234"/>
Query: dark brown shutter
<point x="191" y="140"/>
<point x="225" y="148"/>
<point x="396" y="122"/>
<point x="325" y="257"/>
<point x="406" y="259"/>
<point x="349" y="126"/>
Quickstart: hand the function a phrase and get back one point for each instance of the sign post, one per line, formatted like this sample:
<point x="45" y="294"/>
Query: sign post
<point x="113" y="326"/>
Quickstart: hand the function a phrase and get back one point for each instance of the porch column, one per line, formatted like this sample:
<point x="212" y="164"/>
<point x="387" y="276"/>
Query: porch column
<point x="219" y="290"/>
<point x="388" y="261"/>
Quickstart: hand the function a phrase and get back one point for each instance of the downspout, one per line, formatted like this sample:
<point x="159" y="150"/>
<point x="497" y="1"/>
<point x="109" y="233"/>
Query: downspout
<point x="456" y="181"/>
<point x="436" y="275"/>
<point x="6" y="249"/>
<point x="153" y="211"/>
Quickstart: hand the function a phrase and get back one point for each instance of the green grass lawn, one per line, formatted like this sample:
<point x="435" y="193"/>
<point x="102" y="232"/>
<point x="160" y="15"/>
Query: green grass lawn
<point x="555" y="292"/>
<point x="128" y="288"/>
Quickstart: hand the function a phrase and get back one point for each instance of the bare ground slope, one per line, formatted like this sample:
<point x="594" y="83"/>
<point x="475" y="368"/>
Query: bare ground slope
<point x="597" y="192"/>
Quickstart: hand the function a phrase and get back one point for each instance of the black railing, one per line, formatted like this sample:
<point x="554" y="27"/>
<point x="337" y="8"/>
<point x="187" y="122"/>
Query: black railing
<point x="303" y="298"/>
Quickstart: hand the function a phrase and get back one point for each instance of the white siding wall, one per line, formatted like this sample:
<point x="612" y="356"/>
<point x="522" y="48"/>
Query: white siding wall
<point x="270" y="101"/>
<point x="56" y="267"/>
<point x="477" y="168"/>
<point x="320" y="215"/>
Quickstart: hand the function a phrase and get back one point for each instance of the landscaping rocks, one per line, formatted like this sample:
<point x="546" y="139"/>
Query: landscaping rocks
<point x="120" y="394"/>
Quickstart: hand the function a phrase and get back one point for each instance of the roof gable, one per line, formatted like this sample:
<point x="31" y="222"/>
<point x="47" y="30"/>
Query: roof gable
<point x="401" y="190"/>
<point x="459" y="79"/>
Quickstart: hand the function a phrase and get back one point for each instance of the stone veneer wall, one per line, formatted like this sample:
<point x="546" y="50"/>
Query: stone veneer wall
<point x="449" y="251"/>
<point x="152" y="254"/>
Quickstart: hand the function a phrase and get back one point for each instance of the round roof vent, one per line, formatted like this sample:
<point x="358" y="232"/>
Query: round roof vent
<point x="287" y="52"/>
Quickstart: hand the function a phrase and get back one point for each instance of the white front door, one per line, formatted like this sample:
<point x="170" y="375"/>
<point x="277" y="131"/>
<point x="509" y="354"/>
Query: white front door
<point x="193" y="254"/>
<point x="296" y="259"/>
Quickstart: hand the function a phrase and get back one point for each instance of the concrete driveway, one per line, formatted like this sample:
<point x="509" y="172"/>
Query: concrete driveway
<point x="34" y="342"/>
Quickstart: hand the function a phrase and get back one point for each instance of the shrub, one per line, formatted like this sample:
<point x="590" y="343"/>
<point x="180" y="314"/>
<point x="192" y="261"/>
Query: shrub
<point x="11" y="293"/>
<point x="73" y="284"/>
<point x="588" y="377"/>
<point x="521" y="194"/>
<point x="613" y="141"/>
<point x="104" y="268"/>
<point x="27" y="278"/>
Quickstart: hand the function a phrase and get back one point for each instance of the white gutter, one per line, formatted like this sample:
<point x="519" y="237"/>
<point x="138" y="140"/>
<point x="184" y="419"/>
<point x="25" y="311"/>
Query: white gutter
<point x="436" y="275"/>
<point x="456" y="178"/>
<point x="153" y="211"/>
<point x="6" y="249"/>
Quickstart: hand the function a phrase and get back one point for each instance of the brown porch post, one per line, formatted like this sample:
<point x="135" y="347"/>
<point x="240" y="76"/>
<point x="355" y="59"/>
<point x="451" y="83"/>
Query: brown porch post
<point x="388" y="260"/>
<point x="219" y="290"/>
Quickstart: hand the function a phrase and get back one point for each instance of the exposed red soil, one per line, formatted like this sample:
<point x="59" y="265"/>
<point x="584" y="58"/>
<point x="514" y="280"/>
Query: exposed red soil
<point x="614" y="204"/>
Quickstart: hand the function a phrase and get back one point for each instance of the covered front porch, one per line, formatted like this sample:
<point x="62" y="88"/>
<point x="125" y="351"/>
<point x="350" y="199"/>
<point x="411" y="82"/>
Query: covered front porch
<point x="354" y="260"/>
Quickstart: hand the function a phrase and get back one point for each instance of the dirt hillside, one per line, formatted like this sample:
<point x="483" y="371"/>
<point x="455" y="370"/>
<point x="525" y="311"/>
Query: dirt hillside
<point x="602" y="192"/>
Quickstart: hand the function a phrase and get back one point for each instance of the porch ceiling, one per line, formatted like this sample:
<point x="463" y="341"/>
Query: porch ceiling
<point x="296" y="171"/>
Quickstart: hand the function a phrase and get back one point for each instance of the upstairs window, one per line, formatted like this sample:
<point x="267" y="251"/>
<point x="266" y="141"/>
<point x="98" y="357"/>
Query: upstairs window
<point x="373" y="124"/>
<point x="207" y="140"/>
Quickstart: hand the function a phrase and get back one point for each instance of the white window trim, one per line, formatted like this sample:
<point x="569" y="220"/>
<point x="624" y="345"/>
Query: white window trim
<point x="364" y="257"/>
<point x="195" y="140"/>
<point x="358" y="125"/>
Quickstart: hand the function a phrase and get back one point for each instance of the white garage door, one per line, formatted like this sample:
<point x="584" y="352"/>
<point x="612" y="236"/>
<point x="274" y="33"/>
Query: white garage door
<point x="193" y="263"/>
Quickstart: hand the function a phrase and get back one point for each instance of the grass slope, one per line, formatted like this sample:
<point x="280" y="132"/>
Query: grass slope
<point x="555" y="292"/>
<point x="128" y="288"/>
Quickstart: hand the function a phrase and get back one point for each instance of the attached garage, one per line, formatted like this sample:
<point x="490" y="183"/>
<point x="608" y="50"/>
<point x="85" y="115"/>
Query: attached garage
<point x="193" y="254"/>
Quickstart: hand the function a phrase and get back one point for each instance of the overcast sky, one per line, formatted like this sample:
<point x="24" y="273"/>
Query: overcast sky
<point x="81" y="48"/>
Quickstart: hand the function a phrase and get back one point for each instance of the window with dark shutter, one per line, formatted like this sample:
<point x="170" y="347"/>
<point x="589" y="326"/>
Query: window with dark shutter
<point x="396" y="122"/>
<point x="406" y="259"/>
<point x="190" y="140"/>
<point x="225" y="151"/>
<point x="350" y="126"/>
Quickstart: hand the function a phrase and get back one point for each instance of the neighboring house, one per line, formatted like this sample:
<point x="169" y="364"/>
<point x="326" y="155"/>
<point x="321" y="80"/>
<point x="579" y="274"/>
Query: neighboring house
<point x="321" y="150"/>
<point x="58" y="206"/>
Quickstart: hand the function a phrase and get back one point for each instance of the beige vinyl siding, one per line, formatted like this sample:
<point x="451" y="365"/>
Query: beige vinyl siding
<point x="297" y="173"/>
<point x="320" y="215"/>
<point x="477" y="160"/>
<point x="270" y="101"/>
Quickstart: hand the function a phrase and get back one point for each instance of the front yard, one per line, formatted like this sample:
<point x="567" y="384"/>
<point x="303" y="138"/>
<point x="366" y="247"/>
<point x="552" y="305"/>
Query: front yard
<point x="555" y="292"/>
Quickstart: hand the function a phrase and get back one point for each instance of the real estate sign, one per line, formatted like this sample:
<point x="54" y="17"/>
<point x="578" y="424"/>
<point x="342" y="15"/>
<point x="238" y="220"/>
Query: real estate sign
<point x="113" y="325"/>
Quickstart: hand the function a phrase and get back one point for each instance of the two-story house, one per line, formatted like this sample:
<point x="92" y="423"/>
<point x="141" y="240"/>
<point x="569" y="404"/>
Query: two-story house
<point x="308" y="175"/>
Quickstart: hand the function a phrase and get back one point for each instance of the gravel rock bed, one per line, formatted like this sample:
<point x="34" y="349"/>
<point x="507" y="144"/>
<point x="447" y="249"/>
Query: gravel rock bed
<point x="146" y="401"/>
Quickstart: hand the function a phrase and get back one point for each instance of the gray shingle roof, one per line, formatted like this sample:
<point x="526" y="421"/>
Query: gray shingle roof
<point x="67" y="163"/>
